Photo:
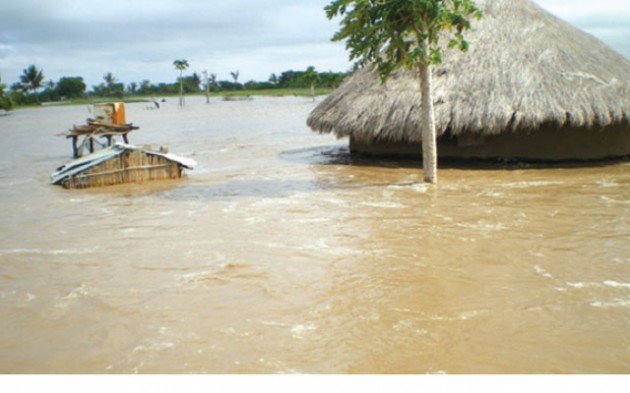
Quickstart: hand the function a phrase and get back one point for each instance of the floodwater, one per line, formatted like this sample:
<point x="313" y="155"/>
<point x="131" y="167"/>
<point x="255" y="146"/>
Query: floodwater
<point x="280" y="253"/>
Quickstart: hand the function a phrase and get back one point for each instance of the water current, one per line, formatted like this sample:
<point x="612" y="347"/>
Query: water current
<point x="281" y="253"/>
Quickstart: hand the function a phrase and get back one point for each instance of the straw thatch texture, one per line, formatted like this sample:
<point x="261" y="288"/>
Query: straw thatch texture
<point x="131" y="166"/>
<point x="525" y="68"/>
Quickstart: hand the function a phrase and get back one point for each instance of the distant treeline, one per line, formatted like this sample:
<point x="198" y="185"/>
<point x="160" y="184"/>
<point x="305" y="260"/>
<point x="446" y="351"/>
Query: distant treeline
<point x="33" y="90"/>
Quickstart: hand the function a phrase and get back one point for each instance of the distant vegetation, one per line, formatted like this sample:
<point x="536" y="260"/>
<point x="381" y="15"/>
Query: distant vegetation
<point x="5" y="101"/>
<point x="34" y="90"/>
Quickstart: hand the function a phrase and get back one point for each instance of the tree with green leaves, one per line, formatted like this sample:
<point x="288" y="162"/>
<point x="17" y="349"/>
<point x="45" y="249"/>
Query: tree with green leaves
<point x="395" y="34"/>
<point x="311" y="77"/>
<point x="195" y="81"/>
<point x="181" y="65"/>
<point x="110" y="79"/>
<point x="31" y="79"/>
<point x="5" y="102"/>
<point x="213" y="82"/>
<point x="145" y="87"/>
<point x="112" y="88"/>
<point x="71" y="87"/>
<point x="132" y="88"/>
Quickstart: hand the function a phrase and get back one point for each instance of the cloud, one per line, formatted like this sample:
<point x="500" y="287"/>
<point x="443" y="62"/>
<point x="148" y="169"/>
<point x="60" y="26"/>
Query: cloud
<point x="129" y="37"/>
<point x="573" y="10"/>
<point x="139" y="39"/>
<point x="607" y="20"/>
<point x="6" y="50"/>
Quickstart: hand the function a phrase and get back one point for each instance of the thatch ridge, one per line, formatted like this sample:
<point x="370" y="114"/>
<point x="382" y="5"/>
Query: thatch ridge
<point x="525" y="68"/>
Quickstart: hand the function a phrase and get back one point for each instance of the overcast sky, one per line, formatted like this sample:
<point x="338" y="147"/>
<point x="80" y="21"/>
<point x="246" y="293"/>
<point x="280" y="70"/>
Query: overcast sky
<point x="139" y="39"/>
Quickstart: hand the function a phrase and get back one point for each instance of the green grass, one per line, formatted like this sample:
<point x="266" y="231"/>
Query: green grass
<point x="91" y="101"/>
<point x="271" y="92"/>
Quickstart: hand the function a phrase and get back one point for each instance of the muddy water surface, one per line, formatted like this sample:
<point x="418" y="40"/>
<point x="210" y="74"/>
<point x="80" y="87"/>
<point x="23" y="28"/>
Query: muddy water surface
<point x="281" y="254"/>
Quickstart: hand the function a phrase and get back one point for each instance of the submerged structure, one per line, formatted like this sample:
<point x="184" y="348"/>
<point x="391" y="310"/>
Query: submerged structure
<point x="102" y="131"/>
<point x="115" y="162"/>
<point x="531" y="87"/>
<point x="118" y="164"/>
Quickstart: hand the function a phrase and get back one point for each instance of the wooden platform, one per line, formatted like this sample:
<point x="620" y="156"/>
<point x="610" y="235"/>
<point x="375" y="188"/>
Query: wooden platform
<point x="97" y="134"/>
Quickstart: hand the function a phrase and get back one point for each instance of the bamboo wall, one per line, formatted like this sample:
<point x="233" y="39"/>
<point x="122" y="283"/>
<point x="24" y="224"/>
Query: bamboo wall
<point x="132" y="166"/>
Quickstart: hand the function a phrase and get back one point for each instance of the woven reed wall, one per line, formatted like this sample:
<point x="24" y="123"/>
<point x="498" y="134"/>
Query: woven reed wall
<point x="129" y="167"/>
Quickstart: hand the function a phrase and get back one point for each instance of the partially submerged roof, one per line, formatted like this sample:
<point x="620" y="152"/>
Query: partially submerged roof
<point x="88" y="162"/>
<point x="525" y="68"/>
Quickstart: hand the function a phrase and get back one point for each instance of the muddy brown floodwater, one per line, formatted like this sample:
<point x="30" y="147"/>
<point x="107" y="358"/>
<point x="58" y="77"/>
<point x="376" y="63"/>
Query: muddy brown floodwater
<point x="280" y="253"/>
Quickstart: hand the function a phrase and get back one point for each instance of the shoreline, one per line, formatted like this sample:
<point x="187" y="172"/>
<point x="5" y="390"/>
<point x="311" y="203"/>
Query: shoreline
<point x="298" y="92"/>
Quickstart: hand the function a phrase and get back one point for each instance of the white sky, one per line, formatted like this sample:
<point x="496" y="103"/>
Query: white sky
<point x="139" y="39"/>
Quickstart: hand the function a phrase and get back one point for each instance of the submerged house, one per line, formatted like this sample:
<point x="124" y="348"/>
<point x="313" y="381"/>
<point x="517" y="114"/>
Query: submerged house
<point x="531" y="87"/>
<point x="119" y="164"/>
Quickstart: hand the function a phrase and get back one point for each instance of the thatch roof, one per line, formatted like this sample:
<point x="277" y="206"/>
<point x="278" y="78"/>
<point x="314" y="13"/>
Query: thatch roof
<point x="525" y="68"/>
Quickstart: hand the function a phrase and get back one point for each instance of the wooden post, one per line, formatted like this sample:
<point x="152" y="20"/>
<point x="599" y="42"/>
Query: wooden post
<point x="75" y="149"/>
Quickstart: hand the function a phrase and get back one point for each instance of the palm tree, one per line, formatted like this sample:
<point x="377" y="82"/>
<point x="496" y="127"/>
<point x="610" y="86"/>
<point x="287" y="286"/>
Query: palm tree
<point x="133" y="88"/>
<point x="32" y="79"/>
<point x="206" y="85"/>
<point x="181" y="65"/>
<point x="235" y="76"/>
<point x="195" y="80"/>
<point x="311" y="78"/>
<point x="110" y="80"/>
<point x="145" y="86"/>
<point x="5" y="102"/>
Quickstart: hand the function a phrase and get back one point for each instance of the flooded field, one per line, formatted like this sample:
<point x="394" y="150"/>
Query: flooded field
<point x="280" y="253"/>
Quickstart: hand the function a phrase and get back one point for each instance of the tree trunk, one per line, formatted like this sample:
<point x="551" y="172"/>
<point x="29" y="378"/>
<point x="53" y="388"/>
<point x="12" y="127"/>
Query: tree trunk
<point x="181" y="89"/>
<point x="206" y="87"/>
<point x="429" y="142"/>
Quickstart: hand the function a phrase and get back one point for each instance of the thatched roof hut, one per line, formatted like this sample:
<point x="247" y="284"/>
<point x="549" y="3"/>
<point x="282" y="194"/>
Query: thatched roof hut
<point x="531" y="86"/>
